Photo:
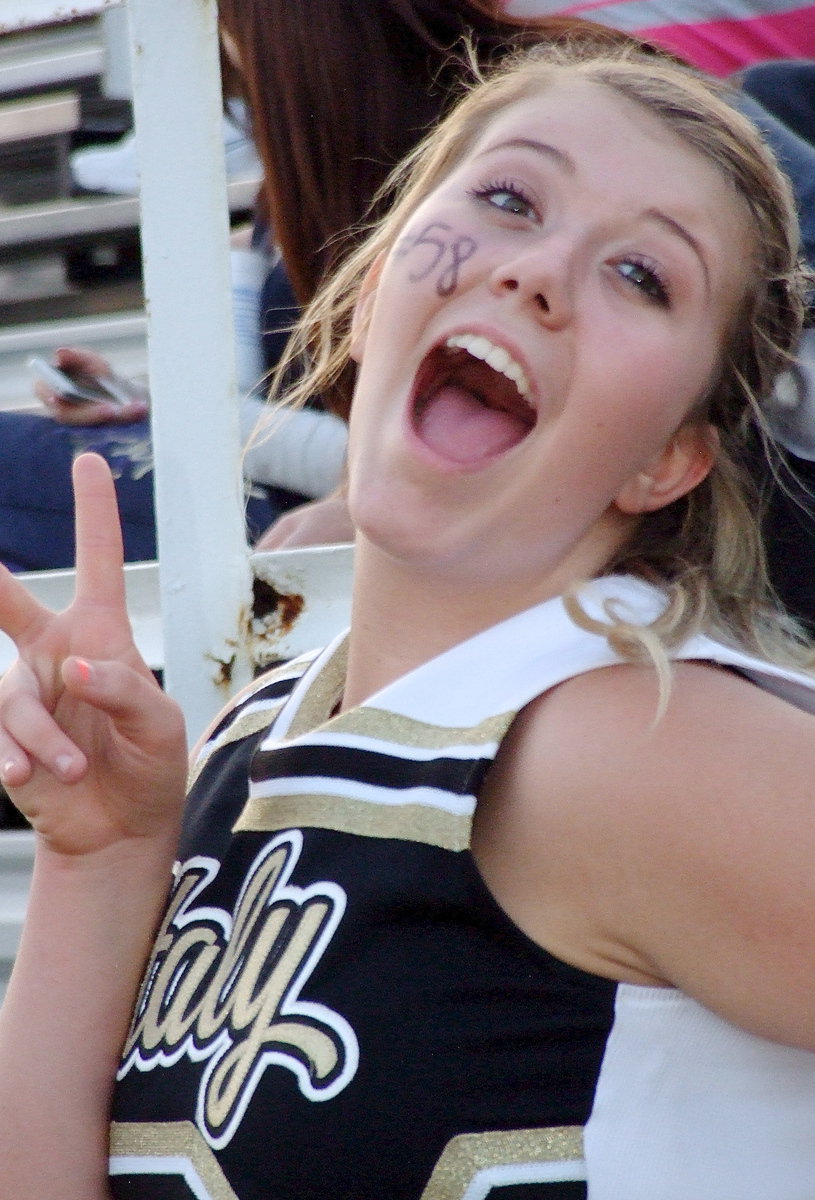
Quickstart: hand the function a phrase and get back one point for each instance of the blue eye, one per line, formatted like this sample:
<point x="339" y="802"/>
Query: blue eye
<point x="507" y="196"/>
<point x="646" y="279"/>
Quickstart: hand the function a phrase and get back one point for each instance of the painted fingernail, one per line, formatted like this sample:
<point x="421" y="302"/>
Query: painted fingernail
<point x="84" y="670"/>
<point x="7" y="771"/>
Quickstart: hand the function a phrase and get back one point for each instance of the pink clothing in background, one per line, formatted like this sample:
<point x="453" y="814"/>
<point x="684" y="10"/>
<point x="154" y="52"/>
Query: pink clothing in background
<point x="720" y="36"/>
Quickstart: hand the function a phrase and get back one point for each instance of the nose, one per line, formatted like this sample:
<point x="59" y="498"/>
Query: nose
<point x="542" y="278"/>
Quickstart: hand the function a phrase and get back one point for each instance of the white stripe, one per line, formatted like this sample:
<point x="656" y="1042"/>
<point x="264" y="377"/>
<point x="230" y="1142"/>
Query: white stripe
<point x="508" y="1174"/>
<point x="169" y="1164"/>
<point x="355" y="741"/>
<point x="634" y="15"/>
<point x="320" y="785"/>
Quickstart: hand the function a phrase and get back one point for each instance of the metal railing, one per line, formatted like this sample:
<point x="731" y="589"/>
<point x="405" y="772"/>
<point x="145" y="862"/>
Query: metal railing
<point x="72" y="220"/>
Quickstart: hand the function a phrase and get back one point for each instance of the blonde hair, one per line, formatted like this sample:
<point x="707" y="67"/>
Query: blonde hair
<point x="705" y="550"/>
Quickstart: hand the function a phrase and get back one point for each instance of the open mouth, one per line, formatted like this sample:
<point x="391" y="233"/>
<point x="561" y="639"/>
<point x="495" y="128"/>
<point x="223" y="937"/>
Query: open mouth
<point x="471" y="402"/>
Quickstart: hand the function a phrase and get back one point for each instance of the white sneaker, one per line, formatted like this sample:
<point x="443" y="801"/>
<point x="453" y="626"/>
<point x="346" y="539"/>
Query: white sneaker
<point x="111" y="168"/>
<point x="115" y="168"/>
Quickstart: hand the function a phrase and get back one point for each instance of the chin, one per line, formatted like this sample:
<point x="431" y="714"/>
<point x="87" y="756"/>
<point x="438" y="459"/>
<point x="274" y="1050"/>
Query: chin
<point x="396" y="539"/>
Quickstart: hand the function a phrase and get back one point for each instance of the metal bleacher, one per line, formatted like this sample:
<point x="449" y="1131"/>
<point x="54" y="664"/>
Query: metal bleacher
<point x="52" y="98"/>
<point x="47" y="75"/>
<point x="51" y="94"/>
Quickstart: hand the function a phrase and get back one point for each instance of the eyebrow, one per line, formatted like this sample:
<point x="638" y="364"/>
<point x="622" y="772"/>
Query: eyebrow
<point x="679" y="229"/>
<point x="568" y="165"/>
<point x="563" y="160"/>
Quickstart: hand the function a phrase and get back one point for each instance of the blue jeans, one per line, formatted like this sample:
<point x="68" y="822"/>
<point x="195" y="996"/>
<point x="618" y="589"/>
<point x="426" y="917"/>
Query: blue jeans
<point x="36" y="498"/>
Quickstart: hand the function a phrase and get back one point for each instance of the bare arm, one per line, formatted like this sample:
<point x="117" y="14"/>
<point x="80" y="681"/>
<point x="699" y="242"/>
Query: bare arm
<point x="93" y="752"/>
<point x="300" y="449"/>
<point x="318" y="523"/>
<point x="681" y="854"/>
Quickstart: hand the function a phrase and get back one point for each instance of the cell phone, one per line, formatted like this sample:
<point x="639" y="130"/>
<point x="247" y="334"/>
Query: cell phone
<point x="76" y="386"/>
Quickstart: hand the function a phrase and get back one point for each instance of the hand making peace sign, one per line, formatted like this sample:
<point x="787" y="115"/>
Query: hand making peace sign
<point x="92" y="751"/>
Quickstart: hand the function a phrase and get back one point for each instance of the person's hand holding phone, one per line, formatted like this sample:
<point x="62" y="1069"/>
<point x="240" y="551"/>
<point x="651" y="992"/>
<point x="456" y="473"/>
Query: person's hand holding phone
<point x="79" y="387"/>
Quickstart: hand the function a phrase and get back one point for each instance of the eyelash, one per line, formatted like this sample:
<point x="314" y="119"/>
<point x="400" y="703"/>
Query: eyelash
<point x="507" y="187"/>
<point x="653" y="286"/>
<point x="656" y="287"/>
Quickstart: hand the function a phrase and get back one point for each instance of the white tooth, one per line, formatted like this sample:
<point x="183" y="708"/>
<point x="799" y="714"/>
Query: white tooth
<point x="480" y="347"/>
<point x="498" y="359"/>
<point x="516" y="374"/>
<point x="495" y="356"/>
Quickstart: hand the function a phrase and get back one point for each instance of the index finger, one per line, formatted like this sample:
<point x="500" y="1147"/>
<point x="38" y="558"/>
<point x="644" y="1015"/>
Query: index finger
<point x="99" y="550"/>
<point x="20" y="612"/>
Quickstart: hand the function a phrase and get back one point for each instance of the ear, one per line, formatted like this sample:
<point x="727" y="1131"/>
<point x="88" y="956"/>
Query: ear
<point x="362" y="311"/>
<point x="685" y="462"/>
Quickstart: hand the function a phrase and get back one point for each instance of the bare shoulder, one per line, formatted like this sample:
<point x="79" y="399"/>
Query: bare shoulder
<point x="712" y="713"/>
<point x="676" y="851"/>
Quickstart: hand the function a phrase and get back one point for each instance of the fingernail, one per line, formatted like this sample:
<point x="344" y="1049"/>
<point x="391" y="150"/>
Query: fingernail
<point x="7" y="770"/>
<point x="84" y="670"/>
<point x="64" y="764"/>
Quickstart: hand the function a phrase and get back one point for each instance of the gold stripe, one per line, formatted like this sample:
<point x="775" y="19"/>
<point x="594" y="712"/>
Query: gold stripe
<point x="246" y="724"/>
<point x="411" y="822"/>
<point x="323" y="694"/>
<point x="253" y="720"/>
<point x="178" y="1138"/>
<point x="464" y="1156"/>
<point x="405" y="731"/>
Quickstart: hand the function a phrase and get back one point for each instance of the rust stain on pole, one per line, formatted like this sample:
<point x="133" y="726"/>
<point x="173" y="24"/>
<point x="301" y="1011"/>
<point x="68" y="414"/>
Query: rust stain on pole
<point x="274" y="613"/>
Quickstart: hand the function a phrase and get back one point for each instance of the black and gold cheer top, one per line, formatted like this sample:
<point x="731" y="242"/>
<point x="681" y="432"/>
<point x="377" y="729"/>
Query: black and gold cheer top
<point x="337" y="1009"/>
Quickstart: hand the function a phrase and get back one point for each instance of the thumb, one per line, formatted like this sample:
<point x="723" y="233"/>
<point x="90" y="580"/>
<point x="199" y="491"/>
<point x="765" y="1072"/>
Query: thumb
<point x="131" y="697"/>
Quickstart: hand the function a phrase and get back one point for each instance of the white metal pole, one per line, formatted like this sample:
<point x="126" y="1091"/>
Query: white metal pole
<point x="203" y="557"/>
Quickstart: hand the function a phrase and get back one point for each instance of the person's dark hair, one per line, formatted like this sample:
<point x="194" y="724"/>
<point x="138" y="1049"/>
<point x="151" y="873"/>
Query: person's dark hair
<point x="340" y="92"/>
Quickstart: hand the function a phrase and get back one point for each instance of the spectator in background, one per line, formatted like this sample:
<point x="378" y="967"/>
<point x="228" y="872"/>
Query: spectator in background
<point x="717" y="36"/>
<point x="787" y="89"/>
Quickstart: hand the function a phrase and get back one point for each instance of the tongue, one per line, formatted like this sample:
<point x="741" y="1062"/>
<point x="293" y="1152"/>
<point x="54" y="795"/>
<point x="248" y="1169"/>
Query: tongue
<point x="458" y="426"/>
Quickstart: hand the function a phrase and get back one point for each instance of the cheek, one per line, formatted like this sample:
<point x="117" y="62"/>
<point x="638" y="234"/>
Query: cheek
<point x="437" y="253"/>
<point x="667" y="379"/>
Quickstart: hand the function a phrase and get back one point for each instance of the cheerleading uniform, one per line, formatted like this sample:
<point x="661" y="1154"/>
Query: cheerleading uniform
<point x="338" y="1007"/>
